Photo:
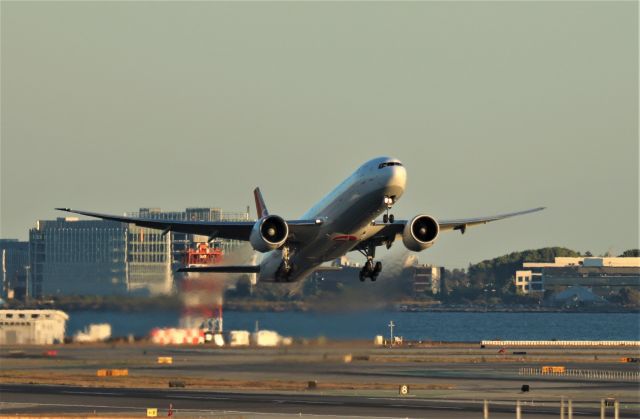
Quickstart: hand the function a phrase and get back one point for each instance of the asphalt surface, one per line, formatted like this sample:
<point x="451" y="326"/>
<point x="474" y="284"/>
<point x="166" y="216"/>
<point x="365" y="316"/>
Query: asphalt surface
<point x="42" y="399"/>
<point x="447" y="381"/>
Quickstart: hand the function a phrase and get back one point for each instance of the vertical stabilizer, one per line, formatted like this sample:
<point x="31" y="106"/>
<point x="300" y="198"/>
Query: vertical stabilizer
<point x="261" y="208"/>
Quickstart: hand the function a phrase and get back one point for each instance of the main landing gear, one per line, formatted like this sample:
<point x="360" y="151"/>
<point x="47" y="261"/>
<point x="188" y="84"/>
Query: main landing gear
<point x="285" y="267"/>
<point x="388" y="218"/>
<point x="370" y="269"/>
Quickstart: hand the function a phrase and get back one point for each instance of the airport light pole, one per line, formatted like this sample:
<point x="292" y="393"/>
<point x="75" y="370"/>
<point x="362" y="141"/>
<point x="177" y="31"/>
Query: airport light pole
<point x="391" y="325"/>
<point x="26" y="283"/>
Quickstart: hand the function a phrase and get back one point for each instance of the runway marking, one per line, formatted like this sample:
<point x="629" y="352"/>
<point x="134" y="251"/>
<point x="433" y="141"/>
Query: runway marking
<point x="93" y="393"/>
<point x="74" y="405"/>
<point x="242" y="412"/>
<point x="313" y="402"/>
<point x="200" y="397"/>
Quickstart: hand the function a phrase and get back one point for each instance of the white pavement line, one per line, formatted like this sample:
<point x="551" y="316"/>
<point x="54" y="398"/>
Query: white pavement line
<point x="313" y="402"/>
<point x="199" y="398"/>
<point x="297" y="415"/>
<point x="75" y="405"/>
<point x="93" y="393"/>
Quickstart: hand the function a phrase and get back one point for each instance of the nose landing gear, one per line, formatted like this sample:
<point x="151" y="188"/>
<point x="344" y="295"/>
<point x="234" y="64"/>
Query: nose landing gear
<point x="388" y="218"/>
<point x="370" y="269"/>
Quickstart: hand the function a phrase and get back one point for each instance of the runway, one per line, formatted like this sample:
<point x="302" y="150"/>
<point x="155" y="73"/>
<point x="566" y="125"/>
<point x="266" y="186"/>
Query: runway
<point x="42" y="399"/>
<point x="446" y="381"/>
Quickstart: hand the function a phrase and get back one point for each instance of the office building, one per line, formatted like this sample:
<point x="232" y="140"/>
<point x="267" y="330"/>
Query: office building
<point x="598" y="272"/>
<point x="77" y="257"/>
<point x="69" y="256"/>
<point x="426" y="279"/>
<point x="14" y="263"/>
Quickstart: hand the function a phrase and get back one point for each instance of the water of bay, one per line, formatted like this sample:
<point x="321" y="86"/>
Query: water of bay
<point x="437" y="326"/>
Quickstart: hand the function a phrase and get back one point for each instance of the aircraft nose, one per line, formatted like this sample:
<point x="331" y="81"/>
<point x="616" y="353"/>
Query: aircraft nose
<point x="397" y="177"/>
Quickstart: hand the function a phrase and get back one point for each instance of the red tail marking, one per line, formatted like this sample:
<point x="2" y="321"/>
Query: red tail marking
<point x="261" y="208"/>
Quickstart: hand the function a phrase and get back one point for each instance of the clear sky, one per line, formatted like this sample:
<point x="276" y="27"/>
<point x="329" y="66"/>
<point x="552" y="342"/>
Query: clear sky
<point x="491" y="106"/>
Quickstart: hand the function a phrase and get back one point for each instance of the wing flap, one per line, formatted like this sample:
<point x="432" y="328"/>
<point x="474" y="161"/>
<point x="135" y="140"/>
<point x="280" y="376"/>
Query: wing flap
<point x="232" y="230"/>
<point x="236" y="269"/>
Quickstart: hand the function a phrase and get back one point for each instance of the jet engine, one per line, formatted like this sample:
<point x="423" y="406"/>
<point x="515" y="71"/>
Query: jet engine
<point x="420" y="233"/>
<point x="269" y="233"/>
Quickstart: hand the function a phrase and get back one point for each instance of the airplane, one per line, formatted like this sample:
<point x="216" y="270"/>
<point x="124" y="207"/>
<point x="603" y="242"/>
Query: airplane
<point x="343" y="221"/>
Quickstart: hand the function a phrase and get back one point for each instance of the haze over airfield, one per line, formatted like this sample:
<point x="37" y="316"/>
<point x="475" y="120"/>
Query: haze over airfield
<point x="491" y="106"/>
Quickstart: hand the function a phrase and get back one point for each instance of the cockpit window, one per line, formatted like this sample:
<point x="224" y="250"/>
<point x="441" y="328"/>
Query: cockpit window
<point x="389" y="163"/>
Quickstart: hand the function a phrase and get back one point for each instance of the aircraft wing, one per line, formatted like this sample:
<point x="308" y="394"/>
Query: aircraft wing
<point x="233" y="230"/>
<point x="462" y="223"/>
<point x="388" y="232"/>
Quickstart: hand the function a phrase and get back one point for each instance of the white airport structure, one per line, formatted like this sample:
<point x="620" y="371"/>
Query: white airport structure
<point x="196" y="336"/>
<point x="560" y="343"/>
<point x="266" y="338"/>
<point x="583" y="271"/>
<point x="239" y="338"/>
<point x="32" y="327"/>
<point x="94" y="333"/>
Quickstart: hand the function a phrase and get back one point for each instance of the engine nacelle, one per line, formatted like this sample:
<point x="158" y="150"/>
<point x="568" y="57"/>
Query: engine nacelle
<point x="420" y="233"/>
<point x="269" y="233"/>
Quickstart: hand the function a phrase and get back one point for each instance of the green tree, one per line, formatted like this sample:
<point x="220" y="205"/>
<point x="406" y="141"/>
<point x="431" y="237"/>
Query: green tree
<point x="498" y="272"/>
<point x="631" y="253"/>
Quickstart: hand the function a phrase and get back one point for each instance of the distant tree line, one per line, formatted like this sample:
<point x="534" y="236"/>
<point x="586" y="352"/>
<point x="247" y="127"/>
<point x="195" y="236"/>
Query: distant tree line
<point x="490" y="282"/>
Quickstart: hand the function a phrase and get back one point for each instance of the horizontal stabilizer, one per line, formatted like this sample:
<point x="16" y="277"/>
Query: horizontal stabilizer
<point x="237" y="269"/>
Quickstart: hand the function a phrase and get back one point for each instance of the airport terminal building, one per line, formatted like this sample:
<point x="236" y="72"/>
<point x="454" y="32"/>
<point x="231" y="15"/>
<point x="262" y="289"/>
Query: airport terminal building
<point x="592" y="272"/>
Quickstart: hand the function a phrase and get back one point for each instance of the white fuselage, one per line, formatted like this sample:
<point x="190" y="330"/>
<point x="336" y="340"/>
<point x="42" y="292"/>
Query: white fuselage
<point x="347" y="215"/>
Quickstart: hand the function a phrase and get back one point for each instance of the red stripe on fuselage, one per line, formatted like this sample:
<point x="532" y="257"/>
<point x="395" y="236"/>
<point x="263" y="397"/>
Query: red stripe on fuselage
<point x="346" y="238"/>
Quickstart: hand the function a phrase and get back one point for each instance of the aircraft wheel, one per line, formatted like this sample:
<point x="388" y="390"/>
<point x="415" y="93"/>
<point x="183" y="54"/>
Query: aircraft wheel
<point x="385" y="218"/>
<point x="374" y="277"/>
<point x="362" y="276"/>
<point x="368" y="266"/>
<point x="377" y="268"/>
<point x="391" y="218"/>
